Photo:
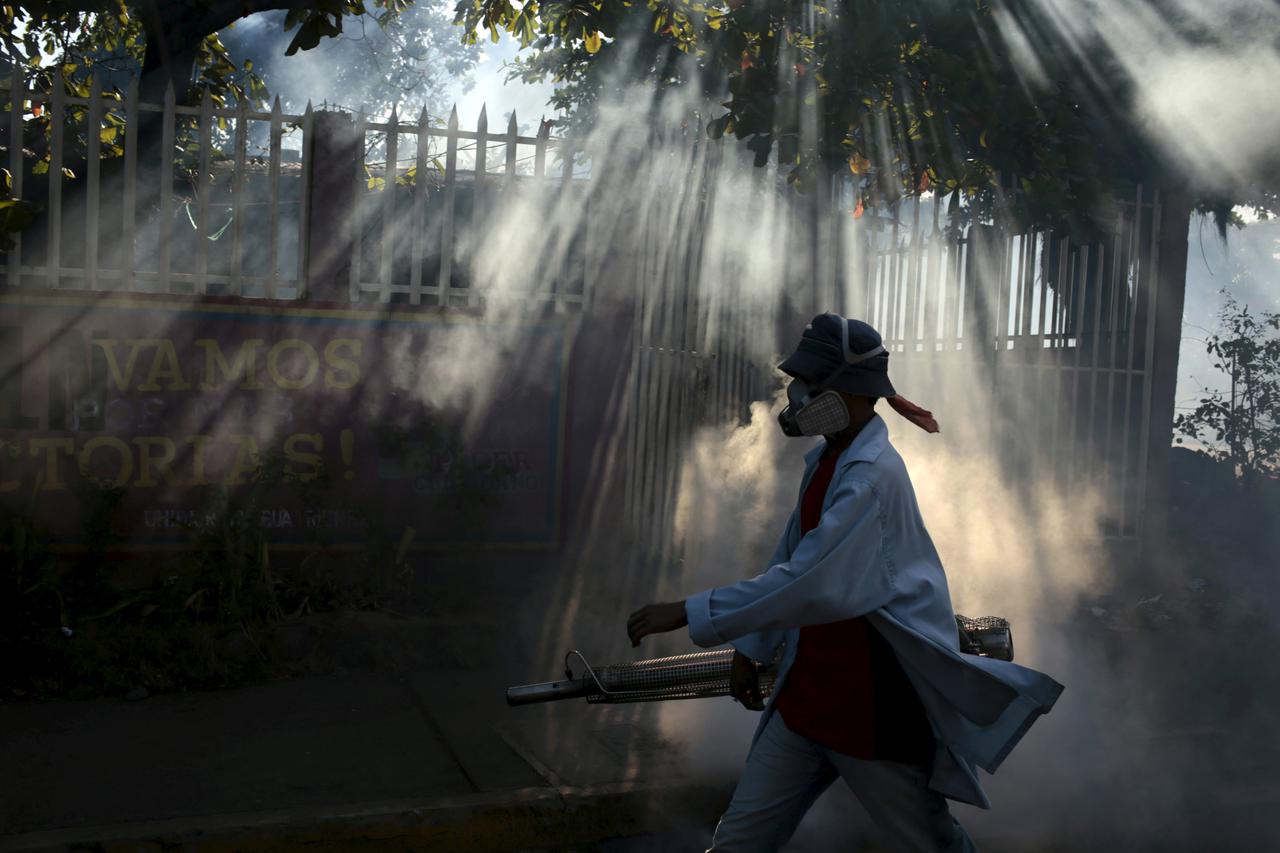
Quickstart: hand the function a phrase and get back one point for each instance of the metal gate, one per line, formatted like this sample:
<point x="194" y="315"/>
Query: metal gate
<point x="1063" y="330"/>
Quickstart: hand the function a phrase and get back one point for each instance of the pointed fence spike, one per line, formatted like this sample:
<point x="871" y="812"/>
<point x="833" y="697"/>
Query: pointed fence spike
<point x="453" y="118"/>
<point x="275" y="107"/>
<point x="512" y="126"/>
<point x="308" y="109"/>
<point x="423" y="118"/>
<point x="484" y="114"/>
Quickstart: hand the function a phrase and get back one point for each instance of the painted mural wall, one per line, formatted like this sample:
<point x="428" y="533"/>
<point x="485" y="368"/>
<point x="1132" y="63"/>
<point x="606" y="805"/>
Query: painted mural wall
<point x="317" y="424"/>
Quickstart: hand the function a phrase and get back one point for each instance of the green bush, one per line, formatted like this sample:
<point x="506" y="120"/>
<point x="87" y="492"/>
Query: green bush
<point x="92" y="623"/>
<point x="1241" y="426"/>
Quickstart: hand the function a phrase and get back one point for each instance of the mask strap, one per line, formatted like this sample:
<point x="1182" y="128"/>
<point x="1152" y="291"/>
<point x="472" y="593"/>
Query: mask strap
<point x="858" y="359"/>
<point x="850" y="357"/>
<point x="850" y="360"/>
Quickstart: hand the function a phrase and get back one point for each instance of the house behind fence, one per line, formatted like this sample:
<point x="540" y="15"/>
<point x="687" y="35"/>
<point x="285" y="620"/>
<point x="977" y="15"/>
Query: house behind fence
<point x="233" y="207"/>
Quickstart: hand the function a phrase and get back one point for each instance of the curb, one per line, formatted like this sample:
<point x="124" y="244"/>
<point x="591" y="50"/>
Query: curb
<point x="550" y="818"/>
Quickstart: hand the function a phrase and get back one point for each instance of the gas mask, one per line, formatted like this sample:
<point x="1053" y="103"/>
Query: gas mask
<point x="817" y="409"/>
<point x="812" y="411"/>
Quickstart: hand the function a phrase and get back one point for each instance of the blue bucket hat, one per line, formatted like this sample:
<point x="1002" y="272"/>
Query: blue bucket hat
<point x="847" y="355"/>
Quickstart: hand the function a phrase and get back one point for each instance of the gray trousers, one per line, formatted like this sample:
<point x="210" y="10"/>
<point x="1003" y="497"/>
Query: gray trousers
<point x="786" y="772"/>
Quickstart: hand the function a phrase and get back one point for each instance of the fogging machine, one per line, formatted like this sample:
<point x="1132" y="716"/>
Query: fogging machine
<point x="702" y="675"/>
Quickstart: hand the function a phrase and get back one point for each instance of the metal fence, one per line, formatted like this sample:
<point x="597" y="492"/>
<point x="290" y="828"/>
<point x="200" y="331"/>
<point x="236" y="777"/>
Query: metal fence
<point x="189" y="220"/>
<point x="1062" y="331"/>
<point x="237" y="202"/>
<point x="411" y="209"/>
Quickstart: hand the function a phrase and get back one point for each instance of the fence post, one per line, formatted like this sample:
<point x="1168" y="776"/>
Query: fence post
<point x="1170" y="286"/>
<point x="984" y="266"/>
<point x="335" y="156"/>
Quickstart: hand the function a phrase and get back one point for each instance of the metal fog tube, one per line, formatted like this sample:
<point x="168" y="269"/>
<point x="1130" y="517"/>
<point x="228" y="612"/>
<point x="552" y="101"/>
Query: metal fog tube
<point x="693" y="676"/>
<point x="701" y="675"/>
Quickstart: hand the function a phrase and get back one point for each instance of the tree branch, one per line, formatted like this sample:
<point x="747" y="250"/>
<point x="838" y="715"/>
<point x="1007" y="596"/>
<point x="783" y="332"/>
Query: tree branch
<point x="35" y="9"/>
<point x="218" y="14"/>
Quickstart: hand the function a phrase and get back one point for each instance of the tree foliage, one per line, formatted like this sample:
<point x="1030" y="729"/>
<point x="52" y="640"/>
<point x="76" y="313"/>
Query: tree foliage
<point x="408" y="61"/>
<point x="175" y="42"/>
<point x="1242" y="423"/>
<point x="908" y="95"/>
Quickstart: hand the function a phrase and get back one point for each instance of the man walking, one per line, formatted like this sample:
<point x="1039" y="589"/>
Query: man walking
<point x="871" y="683"/>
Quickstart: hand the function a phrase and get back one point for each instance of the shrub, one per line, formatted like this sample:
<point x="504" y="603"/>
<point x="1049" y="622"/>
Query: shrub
<point x="1241" y="426"/>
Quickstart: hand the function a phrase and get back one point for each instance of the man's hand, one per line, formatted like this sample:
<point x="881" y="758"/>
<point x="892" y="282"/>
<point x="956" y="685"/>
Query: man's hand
<point x="656" y="619"/>
<point x="744" y="682"/>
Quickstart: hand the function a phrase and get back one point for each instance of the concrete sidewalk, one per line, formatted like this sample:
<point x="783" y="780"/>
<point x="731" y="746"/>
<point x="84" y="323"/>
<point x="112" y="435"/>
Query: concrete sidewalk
<point x="412" y="747"/>
<point x="431" y="760"/>
<point x="434" y="760"/>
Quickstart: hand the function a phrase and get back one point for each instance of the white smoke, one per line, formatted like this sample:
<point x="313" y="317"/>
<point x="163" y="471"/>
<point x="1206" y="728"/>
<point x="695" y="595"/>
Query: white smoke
<point x="1203" y="75"/>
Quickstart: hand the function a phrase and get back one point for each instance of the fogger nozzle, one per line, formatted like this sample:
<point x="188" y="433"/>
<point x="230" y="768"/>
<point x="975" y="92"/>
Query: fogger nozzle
<point x="705" y="674"/>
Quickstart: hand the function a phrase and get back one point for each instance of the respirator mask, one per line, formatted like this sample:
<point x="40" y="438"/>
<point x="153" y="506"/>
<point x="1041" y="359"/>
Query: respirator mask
<point x="817" y="409"/>
<point x="812" y="411"/>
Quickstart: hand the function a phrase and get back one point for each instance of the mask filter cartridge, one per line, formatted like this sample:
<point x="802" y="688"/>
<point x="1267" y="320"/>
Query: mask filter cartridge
<point x="821" y="414"/>
<point x="825" y="415"/>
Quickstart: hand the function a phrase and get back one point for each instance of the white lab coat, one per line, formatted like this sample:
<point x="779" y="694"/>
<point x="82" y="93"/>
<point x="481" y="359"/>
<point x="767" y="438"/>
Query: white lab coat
<point x="871" y="555"/>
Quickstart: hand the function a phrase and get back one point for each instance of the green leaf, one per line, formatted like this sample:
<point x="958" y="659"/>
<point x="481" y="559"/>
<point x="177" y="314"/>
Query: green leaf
<point x="16" y="215"/>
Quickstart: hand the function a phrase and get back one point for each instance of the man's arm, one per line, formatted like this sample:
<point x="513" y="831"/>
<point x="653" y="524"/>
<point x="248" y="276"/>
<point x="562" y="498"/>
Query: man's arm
<point x="838" y="571"/>
<point x="783" y="549"/>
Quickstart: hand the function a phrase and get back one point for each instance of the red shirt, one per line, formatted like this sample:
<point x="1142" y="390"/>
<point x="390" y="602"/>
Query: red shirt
<point x="846" y="689"/>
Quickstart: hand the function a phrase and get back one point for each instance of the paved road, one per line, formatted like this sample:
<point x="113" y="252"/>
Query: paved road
<point x="410" y="758"/>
